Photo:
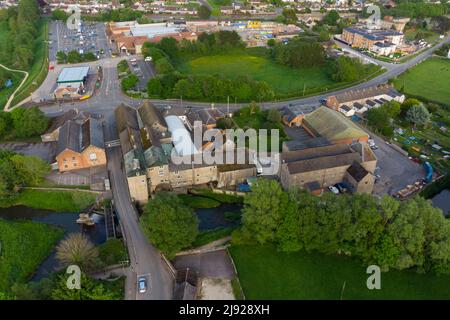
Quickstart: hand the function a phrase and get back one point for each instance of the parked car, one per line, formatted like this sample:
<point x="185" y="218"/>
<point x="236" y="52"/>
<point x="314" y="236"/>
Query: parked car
<point x="148" y="59"/>
<point x="333" y="189"/>
<point x="142" y="284"/>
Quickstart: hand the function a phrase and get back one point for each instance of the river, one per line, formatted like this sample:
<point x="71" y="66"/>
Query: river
<point x="442" y="200"/>
<point x="212" y="218"/>
<point x="66" y="221"/>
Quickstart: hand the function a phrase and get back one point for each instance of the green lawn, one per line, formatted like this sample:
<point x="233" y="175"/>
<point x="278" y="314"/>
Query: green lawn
<point x="284" y="80"/>
<point x="64" y="201"/>
<point x="265" y="273"/>
<point x="24" y="245"/>
<point x="429" y="80"/>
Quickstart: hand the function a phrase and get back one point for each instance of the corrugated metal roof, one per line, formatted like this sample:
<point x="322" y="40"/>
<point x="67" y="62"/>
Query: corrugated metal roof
<point x="332" y="125"/>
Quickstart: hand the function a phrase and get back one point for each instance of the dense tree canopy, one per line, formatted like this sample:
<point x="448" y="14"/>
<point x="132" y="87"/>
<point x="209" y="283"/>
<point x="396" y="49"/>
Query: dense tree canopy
<point x="298" y="53"/>
<point x="22" y="26"/>
<point x="386" y="232"/>
<point x="17" y="171"/>
<point x="169" y="224"/>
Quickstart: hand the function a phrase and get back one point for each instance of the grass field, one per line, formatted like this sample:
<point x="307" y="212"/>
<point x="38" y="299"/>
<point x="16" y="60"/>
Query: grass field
<point x="265" y="273"/>
<point x="281" y="78"/>
<point x="25" y="244"/>
<point x="430" y="80"/>
<point x="64" y="201"/>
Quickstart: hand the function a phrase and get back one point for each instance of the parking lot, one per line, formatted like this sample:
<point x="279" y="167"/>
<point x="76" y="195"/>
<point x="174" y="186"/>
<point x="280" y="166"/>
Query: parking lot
<point x="396" y="170"/>
<point x="143" y="70"/>
<point x="90" y="37"/>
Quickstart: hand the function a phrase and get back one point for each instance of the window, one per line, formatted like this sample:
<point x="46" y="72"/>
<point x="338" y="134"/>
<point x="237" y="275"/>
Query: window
<point x="65" y="166"/>
<point x="74" y="164"/>
<point x="73" y="158"/>
<point x="93" y="156"/>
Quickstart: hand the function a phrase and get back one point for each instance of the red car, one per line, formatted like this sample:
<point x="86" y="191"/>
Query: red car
<point x="51" y="67"/>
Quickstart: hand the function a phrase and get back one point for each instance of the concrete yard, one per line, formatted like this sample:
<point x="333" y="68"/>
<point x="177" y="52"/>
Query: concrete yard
<point x="216" y="289"/>
<point x="396" y="170"/>
<point x="46" y="151"/>
<point x="216" y="264"/>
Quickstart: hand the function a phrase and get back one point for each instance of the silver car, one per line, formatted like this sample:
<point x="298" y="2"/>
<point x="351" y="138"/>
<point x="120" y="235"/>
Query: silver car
<point x="142" y="284"/>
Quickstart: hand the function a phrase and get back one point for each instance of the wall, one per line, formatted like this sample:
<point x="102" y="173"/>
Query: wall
<point x="138" y="188"/>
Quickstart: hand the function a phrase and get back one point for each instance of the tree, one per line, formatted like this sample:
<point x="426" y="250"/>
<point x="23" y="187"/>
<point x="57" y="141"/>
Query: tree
<point x="290" y="16"/>
<point x="264" y="209"/>
<point x="408" y="103"/>
<point x="90" y="290"/>
<point x="204" y="12"/>
<point x="74" y="57"/>
<point x="30" y="170"/>
<point x="393" y="108"/>
<point x="129" y="82"/>
<point x="5" y="123"/>
<point x="271" y="43"/>
<point x="59" y="14"/>
<point x="154" y="87"/>
<point x="29" y="122"/>
<point x="347" y="69"/>
<point x="163" y="66"/>
<point x="61" y="57"/>
<point x="378" y="118"/>
<point x="418" y="115"/>
<point x="76" y="249"/>
<point x="169" y="224"/>
<point x="331" y="18"/>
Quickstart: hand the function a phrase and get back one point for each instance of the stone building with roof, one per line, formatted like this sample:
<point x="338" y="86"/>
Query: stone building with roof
<point x="80" y="145"/>
<point x="132" y="151"/>
<point x="324" y="166"/>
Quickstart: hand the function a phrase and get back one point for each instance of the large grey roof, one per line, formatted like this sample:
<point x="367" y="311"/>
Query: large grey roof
<point x="77" y="137"/>
<point x="74" y="74"/>
<point x="366" y="93"/>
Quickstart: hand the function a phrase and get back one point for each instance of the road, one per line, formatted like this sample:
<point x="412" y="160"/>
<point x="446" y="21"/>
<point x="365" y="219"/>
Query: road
<point x="144" y="258"/>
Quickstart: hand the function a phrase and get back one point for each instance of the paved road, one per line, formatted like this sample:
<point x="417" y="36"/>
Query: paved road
<point x="144" y="258"/>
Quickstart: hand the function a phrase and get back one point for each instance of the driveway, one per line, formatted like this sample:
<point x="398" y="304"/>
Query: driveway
<point x="216" y="264"/>
<point x="44" y="150"/>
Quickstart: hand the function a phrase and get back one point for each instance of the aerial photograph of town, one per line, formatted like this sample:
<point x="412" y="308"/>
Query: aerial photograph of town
<point x="233" y="150"/>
